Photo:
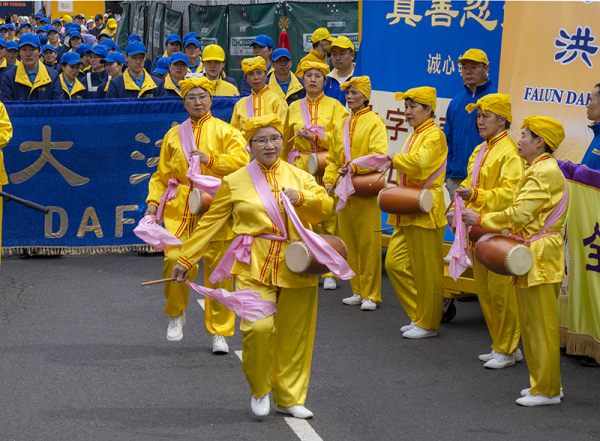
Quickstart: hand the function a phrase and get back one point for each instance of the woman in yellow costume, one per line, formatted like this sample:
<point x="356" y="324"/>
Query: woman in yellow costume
<point x="499" y="168"/>
<point x="262" y="101"/>
<point x="220" y="149"/>
<point x="415" y="260"/>
<point x="537" y="217"/>
<point x="6" y="133"/>
<point x="360" y="217"/>
<point x="320" y="110"/>
<point x="277" y="350"/>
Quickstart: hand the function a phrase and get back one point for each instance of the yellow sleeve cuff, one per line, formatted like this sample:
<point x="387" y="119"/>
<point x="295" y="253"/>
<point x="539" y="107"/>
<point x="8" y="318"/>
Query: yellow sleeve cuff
<point x="211" y="161"/>
<point x="301" y="199"/>
<point x="185" y="263"/>
<point x="354" y="169"/>
<point x="474" y="195"/>
<point x="156" y="204"/>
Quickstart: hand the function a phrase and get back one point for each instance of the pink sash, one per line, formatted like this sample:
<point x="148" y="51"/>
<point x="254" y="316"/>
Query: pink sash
<point x="153" y="234"/>
<point x="374" y="162"/>
<point x="345" y="189"/>
<point x="318" y="131"/>
<point x="477" y="165"/>
<point x="249" y="114"/>
<point x="209" y="184"/>
<point x="458" y="257"/>
<point x="240" y="248"/>
<point x="436" y="174"/>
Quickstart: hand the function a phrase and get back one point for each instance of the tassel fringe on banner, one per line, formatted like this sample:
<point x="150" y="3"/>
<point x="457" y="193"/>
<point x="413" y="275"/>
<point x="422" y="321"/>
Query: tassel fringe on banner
<point x="77" y="251"/>
<point x="579" y="344"/>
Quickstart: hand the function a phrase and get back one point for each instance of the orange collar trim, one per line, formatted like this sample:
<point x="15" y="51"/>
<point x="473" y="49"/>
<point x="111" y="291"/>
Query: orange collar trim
<point x="426" y="125"/>
<point x="261" y="91"/>
<point x="540" y="158"/>
<point x="317" y="99"/>
<point x="492" y="142"/>
<point x="272" y="168"/>
<point x="361" y="112"/>
<point x="202" y="120"/>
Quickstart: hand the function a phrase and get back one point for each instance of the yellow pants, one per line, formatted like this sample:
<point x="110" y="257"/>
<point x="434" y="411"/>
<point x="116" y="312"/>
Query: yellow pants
<point x="277" y="350"/>
<point x="415" y="266"/>
<point x="357" y="223"/>
<point x="1" y="205"/>
<point x="539" y="328"/>
<point x="328" y="226"/>
<point x="498" y="302"/>
<point x="217" y="318"/>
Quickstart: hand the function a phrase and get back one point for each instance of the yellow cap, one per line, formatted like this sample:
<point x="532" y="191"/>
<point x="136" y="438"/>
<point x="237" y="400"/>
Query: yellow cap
<point x="550" y="129"/>
<point x="66" y="18"/>
<point x="474" y="55"/>
<point x="190" y="83"/>
<point x="307" y="65"/>
<point x="321" y="34"/>
<point x="341" y="42"/>
<point x="249" y="64"/>
<point x="252" y="125"/>
<point x="213" y="52"/>
<point x="498" y="103"/>
<point x="111" y="23"/>
<point x="422" y="95"/>
<point x="362" y="84"/>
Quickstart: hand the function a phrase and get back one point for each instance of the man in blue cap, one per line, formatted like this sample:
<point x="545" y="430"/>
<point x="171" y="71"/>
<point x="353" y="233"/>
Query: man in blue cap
<point x="38" y="17"/>
<point x="135" y="81"/>
<point x="162" y="68"/>
<point x="114" y="64"/>
<point x="82" y="51"/>
<point x="110" y="45"/>
<point x="148" y="62"/>
<point x="178" y="68"/>
<point x="12" y="52"/>
<point x="11" y="32"/>
<point x="5" y="66"/>
<point x="173" y="44"/>
<point x="99" y="25"/>
<point x="191" y="48"/>
<point x="31" y="80"/>
<point x="283" y="81"/>
<point x="97" y="74"/>
<point x="25" y="28"/>
<point x="262" y="46"/>
<point x="3" y="31"/>
<point x="57" y="24"/>
<point x="49" y="54"/>
<point x="74" y="39"/>
<point x="71" y="86"/>
<point x="54" y="40"/>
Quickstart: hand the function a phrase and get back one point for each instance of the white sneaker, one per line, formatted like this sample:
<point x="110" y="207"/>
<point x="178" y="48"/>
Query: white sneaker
<point x="500" y="361"/>
<point x="368" y="305"/>
<point x="355" y="300"/>
<point x="296" y="411"/>
<point x="538" y="400"/>
<point x="175" y="329"/>
<point x="329" y="283"/>
<point x="408" y="327"/>
<point x="417" y="332"/>
<point x="261" y="406"/>
<point x="220" y="345"/>
<point x="487" y="357"/>
<point x="518" y="355"/>
<point x="525" y="392"/>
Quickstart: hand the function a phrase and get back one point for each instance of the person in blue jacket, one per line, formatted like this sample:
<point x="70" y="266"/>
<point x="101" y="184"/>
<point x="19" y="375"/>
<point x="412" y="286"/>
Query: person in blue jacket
<point x="460" y="128"/>
<point x="31" y="80"/>
<point x="82" y="51"/>
<point x="114" y="64"/>
<point x="173" y="45"/>
<point x="135" y="81"/>
<point x="71" y="86"/>
<point x="49" y="54"/>
<point x="110" y="46"/>
<point x="193" y="50"/>
<point x="178" y="67"/>
<point x="12" y="52"/>
<point x="5" y="66"/>
<point x="342" y="57"/>
<point x="148" y="62"/>
<point x="262" y="46"/>
<point x="97" y="74"/>
<point x="162" y="68"/>
<point x="54" y="40"/>
<point x="591" y="158"/>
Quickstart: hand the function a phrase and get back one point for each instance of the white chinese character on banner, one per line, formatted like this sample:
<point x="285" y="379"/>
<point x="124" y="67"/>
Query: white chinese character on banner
<point x="575" y="45"/>
<point x="433" y="64"/>
<point x="448" y="66"/>
<point x="481" y="18"/>
<point x="404" y="10"/>
<point x="441" y="13"/>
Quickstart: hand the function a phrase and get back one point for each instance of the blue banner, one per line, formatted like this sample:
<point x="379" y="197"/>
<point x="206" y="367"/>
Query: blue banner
<point x="418" y="43"/>
<point x="90" y="161"/>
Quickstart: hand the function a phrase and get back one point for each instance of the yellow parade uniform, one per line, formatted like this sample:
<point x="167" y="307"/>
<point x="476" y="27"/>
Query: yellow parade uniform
<point x="223" y="88"/>
<point x="359" y="219"/>
<point x="500" y="171"/>
<point x="277" y="350"/>
<point x="6" y="133"/>
<point x="415" y="260"/>
<point x="324" y="111"/>
<point x="265" y="102"/>
<point x="77" y="87"/>
<point x="313" y="55"/>
<point x="537" y="194"/>
<point x="225" y="149"/>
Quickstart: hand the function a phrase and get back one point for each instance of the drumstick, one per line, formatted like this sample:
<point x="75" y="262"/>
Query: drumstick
<point x="292" y="138"/>
<point x="154" y="282"/>
<point x="384" y="229"/>
<point x="336" y="181"/>
<point x="448" y="209"/>
<point x="383" y="173"/>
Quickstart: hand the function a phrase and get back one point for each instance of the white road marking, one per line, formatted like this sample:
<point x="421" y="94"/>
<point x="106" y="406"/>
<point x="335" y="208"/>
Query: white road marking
<point x="302" y="429"/>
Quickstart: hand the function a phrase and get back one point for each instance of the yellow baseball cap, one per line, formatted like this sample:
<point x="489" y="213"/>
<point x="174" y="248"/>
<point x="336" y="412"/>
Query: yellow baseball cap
<point x="111" y="23"/>
<point x="342" y="42"/>
<point x="213" y="52"/>
<point x="321" y="34"/>
<point x="474" y="55"/>
<point x="66" y="18"/>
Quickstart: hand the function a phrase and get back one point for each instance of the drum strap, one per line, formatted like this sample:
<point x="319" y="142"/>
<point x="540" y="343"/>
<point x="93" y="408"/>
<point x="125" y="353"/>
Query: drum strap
<point x="477" y="164"/>
<point x="318" y="131"/>
<point x="169" y="193"/>
<point x="436" y="174"/>
<point x="240" y="248"/>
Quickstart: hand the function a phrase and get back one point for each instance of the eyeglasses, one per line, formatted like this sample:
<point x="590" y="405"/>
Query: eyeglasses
<point x="194" y="98"/>
<point x="263" y="141"/>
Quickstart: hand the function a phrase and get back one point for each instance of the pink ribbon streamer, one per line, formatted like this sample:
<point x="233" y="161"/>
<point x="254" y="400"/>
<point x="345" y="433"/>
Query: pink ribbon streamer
<point x="374" y="162"/>
<point x="245" y="303"/>
<point x="169" y="193"/>
<point x="345" y="189"/>
<point x="458" y="257"/>
<point x="477" y="165"/>
<point x="153" y="234"/>
<point x="436" y="174"/>
<point x="210" y="184"/>
<point x="318" y="131"/>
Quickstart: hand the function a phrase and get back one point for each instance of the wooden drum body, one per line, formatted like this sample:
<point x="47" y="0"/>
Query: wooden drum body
<point x="477" y="233"/>
<point x="364" y="185"/>
<point x="199" y="201"/>
<point x="405" y="200"/>
<point x="299" y="259"/>
<point x="503" y="255"/>
<point x="317" y="163"/>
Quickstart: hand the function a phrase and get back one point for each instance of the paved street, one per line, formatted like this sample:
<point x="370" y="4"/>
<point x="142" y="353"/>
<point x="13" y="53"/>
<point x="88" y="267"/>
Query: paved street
<point x="83" y="356"/>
